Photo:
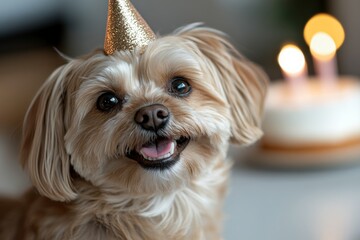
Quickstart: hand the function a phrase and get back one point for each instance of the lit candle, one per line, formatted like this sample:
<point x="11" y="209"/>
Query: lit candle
<point x="324" y="34"/>
<point x="323" y="51"/>
<point x="293" y="65"/>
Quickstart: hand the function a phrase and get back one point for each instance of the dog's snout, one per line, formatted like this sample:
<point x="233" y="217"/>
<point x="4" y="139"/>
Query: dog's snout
<point x="153" y="117"/>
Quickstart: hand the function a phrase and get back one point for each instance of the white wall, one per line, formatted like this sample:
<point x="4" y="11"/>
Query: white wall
<point x="245" y="21"/>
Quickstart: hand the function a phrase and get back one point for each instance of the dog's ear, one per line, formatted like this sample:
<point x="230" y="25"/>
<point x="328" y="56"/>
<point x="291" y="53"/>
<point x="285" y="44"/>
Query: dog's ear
<point x="244" y="83"/>
<point x="43" y="152"/>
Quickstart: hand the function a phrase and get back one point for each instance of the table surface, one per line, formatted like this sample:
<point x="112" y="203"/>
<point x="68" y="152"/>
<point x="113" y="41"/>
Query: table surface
<point x="296" y="204"/>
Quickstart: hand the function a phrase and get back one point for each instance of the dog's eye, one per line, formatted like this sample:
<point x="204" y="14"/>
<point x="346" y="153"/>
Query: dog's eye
<point x="107" y="101"/>
<point x="179" y="87"/>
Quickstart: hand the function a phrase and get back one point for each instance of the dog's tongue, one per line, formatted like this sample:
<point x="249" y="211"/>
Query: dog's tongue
<point x="158" y="148"/>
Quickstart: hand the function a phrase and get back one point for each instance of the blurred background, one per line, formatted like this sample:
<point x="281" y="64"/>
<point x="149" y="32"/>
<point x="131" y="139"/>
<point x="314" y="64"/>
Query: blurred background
<point x="31" y="30"/>
<point x="262" y="204"/>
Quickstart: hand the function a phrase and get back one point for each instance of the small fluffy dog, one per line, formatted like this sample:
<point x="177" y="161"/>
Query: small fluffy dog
<point x="133" y="145"/>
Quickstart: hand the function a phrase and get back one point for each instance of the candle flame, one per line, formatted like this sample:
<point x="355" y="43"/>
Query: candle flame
<point x="291" y="60"/>
<point x="325" y="23"/>
<point x="322" y="46"/>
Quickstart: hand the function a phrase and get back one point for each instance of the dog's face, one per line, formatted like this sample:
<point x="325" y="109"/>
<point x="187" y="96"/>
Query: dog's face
<point x="144" y="121"/>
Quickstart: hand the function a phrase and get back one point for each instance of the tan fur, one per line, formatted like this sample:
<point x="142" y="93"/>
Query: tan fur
<point x="84" y="185"/>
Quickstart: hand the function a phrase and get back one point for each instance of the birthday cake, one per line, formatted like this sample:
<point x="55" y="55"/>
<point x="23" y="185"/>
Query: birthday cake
<point x="320" y="117"/>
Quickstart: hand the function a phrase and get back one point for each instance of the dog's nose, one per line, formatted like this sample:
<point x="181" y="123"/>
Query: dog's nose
<point x="153" y="117"/>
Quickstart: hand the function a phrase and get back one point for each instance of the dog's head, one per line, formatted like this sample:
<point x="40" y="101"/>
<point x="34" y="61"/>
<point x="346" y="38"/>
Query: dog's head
<point x="142" y="121"/>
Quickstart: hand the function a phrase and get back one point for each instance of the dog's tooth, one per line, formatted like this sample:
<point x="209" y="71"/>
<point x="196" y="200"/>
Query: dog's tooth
<point x="172" y="149"/>
<point x="144" y="156"/>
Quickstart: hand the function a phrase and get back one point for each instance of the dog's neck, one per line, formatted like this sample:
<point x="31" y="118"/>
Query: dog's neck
<point x="171" y="213"/>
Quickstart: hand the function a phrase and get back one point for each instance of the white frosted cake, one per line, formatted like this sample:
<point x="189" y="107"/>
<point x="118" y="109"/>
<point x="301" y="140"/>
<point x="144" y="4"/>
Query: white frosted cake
<point x="313" y="117"/>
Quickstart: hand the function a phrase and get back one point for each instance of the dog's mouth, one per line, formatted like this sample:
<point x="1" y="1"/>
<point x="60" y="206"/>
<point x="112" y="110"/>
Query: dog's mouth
<point x="161" y="153"/>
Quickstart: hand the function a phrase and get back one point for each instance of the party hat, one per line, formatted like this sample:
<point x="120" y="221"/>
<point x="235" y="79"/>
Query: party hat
<point x="125" y="29"/>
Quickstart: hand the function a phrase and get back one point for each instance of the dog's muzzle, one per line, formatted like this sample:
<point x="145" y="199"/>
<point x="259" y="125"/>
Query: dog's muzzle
<point x="161" y="152"/>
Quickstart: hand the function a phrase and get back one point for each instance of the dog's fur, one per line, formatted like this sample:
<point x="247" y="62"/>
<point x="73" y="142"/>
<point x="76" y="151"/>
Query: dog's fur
<point x="84" y="185"/>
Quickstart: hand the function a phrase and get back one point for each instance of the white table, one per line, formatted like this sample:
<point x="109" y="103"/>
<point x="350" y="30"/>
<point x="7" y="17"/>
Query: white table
<point x="318" y="204"/>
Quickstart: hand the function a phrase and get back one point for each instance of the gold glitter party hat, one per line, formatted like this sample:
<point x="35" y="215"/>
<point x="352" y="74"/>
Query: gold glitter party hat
<point x="125" y="28"/>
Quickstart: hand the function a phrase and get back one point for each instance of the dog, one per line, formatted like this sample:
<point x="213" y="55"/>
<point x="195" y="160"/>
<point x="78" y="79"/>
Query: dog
<point x="133" y="145"/>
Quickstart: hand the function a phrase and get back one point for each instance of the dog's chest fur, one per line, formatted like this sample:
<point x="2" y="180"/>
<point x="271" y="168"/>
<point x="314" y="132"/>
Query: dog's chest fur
<point x="190" y="213"/>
